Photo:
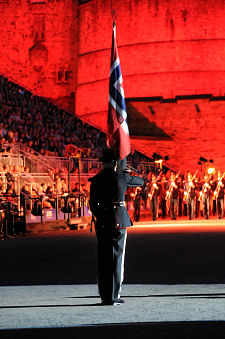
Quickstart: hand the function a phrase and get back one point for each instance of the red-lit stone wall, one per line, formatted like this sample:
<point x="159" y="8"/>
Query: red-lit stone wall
<point x="166" y="47"/>
<point x="38" y="40"/>
<point x="196" y="128"/>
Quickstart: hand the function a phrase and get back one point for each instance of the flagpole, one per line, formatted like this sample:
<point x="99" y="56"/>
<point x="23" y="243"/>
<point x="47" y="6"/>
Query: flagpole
<point x="117" y="129"/>
<point x="121" y="164"/>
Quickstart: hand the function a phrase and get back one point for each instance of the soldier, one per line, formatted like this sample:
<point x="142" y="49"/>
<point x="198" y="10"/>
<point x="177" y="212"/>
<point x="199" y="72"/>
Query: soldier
<point x="205" y="196"/>
<point x="137" y="203"/>
<point x="219" y="195"/>
<point x="162" y="197"/>
<point x="181" y="207"/>
<point x="107" y="195"/>
<point x="154" y="193"/>
<point x="173" y="195"/>
<point x="197" y="200"/>
<point x="190" y="195"/>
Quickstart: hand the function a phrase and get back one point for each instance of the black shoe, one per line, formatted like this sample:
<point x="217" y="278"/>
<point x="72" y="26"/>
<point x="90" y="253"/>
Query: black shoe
<point x="107" y="302"/>
<point x="119" y="302"/>
<point x="110" y="302"/>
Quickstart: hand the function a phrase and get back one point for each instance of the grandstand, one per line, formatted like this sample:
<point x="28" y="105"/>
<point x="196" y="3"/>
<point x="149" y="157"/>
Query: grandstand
<point x="35" y="136"/>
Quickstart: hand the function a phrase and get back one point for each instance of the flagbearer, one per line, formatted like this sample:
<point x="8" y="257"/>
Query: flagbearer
<point x="107" y="194"/>
<point x="108" y="188"/>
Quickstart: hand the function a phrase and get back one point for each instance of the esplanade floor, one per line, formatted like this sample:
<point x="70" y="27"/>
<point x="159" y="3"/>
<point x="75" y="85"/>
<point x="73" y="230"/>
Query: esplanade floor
<point x="174" y="284"/>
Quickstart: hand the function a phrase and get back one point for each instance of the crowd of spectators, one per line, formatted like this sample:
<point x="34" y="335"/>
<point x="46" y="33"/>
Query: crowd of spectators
<point x="45" y="128"/>
<point x="41" y="125"/>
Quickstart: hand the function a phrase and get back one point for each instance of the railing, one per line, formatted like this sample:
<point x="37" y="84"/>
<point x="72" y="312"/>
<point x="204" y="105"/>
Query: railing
<point x="22" y="210"/>
<point x="78" y="167"/>
<point x="39" y="162"/>
<point x="12" y="159"/>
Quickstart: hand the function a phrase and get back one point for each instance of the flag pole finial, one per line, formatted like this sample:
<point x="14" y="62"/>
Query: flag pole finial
<point x="114" y="15"/>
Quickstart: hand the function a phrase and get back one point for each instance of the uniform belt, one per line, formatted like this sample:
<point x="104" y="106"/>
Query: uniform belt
<point x="120" y="203"/>
<point x="114" y="204"/>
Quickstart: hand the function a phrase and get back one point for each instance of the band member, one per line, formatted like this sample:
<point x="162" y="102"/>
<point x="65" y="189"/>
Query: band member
<point x="205" y="196"/>
<point x="190" y="195"/>
<point x="213" y="184"/>
<point x="219" y="195"/>
<point x="162" y="196"/>
<point x="180" y="196"/>
<point x="172" y="194"/>
<point x="144" y="193"/>
<point x="154" y="195"/>
<point x="137" y="203"/>
<point x="198" y="188"/>
<point x="128" y="198"/>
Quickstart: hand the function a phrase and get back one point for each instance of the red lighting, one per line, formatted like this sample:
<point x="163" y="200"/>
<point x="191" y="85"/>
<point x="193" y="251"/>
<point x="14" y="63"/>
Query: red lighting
<point x="180" y="226"/>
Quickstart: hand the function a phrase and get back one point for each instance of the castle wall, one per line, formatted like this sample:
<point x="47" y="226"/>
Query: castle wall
<point x="39" y="46"/>
<point x="196" y="127"/>
<point x="166" y="47"/>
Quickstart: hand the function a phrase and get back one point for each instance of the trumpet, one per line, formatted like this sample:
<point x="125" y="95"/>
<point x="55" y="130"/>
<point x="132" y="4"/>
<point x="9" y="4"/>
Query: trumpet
<point x="190" y="185"/>
<point x="218" y="187"/>
<point x="205" y="187"/>
<point x="154" y="186"/>
<point x="169" y="192"/>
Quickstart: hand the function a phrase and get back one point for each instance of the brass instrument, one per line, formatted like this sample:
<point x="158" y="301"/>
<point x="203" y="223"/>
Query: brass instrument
<point x="154" y="186"/>
<point x="218" y="187"/>
<point x="169" y="192"/>
<point x="204" y="189"/>
<point x="186" y="194"/>
<point x="136" y="191"/>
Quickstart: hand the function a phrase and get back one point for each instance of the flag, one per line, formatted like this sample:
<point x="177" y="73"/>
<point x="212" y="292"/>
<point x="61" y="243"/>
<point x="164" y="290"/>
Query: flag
<point x="118" y="137"/>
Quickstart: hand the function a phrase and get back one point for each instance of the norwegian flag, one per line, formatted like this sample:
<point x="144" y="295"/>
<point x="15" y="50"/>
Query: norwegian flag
<point x="118" y="137"/>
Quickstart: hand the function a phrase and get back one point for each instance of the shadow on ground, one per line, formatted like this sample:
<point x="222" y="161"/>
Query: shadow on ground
<point x="176" y="330"/>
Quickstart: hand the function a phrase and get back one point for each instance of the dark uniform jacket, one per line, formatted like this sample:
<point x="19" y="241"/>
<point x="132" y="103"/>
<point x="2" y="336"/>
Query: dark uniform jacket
<point x="191" y="190"/>
<point x="220" y="190"/>
<point x="164" y="189"/>
<point x="206" y="191"/>
<point x="175" y="191"/>
<point x="156" y="191"/>
<point x="107" y="194"/>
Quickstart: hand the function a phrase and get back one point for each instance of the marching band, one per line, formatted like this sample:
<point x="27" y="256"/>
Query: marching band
<point x="176" y="195"/>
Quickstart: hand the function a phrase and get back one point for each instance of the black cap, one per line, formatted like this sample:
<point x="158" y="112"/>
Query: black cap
<point x="108" y="156"/>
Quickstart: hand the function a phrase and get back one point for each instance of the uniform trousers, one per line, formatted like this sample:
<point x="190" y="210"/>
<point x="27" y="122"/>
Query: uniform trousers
<point x="190" y="207"/>
<point x="220" y="206"/>
<point x="137" y="209"/>
<point x="206" y="204"/>
<point x="163" y="207"/>
<point x="154" y="207"/>
<point x="111" y="245"/>
<point x="173" y="208"/>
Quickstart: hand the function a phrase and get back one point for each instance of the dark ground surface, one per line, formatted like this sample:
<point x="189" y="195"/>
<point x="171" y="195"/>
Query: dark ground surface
<point x="152" y="257"/>
<point x="179" y="330"/>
